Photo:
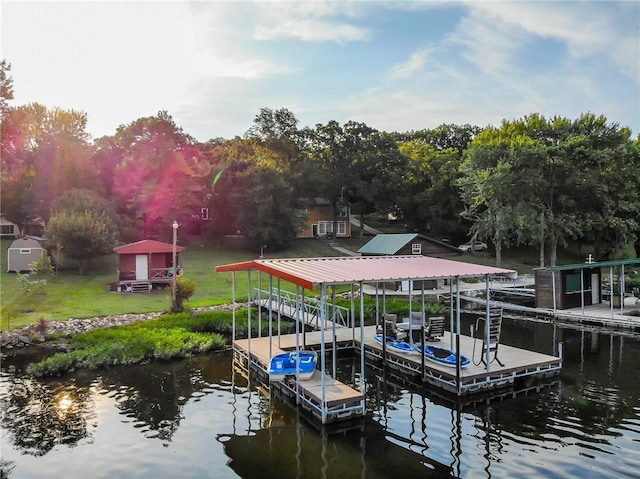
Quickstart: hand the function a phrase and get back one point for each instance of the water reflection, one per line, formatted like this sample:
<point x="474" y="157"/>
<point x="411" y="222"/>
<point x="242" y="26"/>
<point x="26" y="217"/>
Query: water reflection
<point x="194" y="418"/>
<point x="40" y="416"/>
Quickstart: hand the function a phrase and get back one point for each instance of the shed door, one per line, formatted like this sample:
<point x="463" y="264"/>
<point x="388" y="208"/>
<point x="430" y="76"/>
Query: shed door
<point x="595" y="288"/>
<point x="142" y="267"/>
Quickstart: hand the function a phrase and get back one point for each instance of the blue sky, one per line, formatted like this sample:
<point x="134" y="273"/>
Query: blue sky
<point x="396" y="66"/>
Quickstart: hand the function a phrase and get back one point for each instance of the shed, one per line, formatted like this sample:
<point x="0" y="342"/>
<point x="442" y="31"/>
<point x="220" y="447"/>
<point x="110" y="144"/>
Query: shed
<point x="145" y="264"/>
<point x="410" y="244"/>
<point x="23" y="252"/>
<point x="576" y="285"/>
<point x="407" y="243"/>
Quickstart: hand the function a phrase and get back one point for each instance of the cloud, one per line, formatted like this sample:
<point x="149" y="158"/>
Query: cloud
<point x="608" y="29"/>
<point x="412" y="66"/>
<point x="309" y="22"/>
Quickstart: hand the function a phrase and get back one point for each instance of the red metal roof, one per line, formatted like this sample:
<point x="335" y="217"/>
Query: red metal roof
<point x="147" y="246"/>
<point x="308" y="272"/>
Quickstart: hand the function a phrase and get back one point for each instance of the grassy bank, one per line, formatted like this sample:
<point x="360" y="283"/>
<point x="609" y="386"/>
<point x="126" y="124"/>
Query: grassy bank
<point x="168" y="337"/>
<point x="70" y="295"/>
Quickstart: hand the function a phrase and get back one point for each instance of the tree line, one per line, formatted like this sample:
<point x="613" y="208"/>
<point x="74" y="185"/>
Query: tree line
<point x="532" y="181"/>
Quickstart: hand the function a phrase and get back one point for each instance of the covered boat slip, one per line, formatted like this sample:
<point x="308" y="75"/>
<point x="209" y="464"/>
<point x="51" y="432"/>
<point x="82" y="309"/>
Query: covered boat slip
<point x="326" y="274"/>
<point x="325" y="397"/>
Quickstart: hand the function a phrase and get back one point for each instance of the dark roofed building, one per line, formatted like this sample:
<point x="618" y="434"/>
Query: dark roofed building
<point x="407" y="243"/>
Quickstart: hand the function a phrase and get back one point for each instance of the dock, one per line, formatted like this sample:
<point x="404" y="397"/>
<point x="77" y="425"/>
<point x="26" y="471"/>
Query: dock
<point x="326" y="398"/>
<point x="338" y="328"/>
<point x="342" y="401"/>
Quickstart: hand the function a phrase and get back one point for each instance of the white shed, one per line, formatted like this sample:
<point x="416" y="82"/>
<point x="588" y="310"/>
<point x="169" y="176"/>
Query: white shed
<point x="23" y="252"/>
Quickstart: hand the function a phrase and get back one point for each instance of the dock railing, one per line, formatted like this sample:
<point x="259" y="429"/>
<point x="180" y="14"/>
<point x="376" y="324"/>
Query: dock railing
<point x="309" y="310"/>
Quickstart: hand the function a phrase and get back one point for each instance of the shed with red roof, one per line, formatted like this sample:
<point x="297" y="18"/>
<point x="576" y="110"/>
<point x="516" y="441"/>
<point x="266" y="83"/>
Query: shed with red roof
<point x="146" y="264"/>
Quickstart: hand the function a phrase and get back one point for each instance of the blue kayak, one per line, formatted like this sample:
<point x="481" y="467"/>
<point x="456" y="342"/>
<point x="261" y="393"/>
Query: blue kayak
<point x="442" y="356"/>
<point x="396" y="345"/>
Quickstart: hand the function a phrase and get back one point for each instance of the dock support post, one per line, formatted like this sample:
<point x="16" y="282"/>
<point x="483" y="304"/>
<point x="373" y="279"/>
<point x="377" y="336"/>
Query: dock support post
<point x="458" y="382"/>
<point x="323" y="317"/>
<point x="362" y="375"/>
<point x="233" y="306"/>
<point x="487" y="328"/>
<point x="270" y="315"/>
<point x="333" y="330"/>
<point x="249" y="317"/>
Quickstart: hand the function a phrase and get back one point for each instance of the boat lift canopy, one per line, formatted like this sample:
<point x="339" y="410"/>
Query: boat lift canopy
<point x="310" y="272"/>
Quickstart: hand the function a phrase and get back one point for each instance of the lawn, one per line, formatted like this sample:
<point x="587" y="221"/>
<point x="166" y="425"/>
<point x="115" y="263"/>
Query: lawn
<point x="70" y="295"/>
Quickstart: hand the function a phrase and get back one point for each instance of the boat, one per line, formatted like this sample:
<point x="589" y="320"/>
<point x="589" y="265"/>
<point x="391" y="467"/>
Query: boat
<point x="396" y="345"/>
<point x="302" y="363"/>
<point x="442" y="356"/>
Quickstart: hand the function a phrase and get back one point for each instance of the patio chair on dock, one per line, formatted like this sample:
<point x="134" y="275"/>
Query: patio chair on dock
<point x="495" y="325"/>
<point x="391" y="329"/>
<point x="434" y="329"/>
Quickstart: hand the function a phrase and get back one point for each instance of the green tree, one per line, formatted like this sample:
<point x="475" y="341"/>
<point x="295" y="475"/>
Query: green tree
<point x="159" y="174"/>
<point x="44" y="152"/>
<point x="6" y="86"/>
<point x="429" y="199"/>
<point x="82" y="236"/>
<point x="265" y="208"/>
<point x="549" y="181"/>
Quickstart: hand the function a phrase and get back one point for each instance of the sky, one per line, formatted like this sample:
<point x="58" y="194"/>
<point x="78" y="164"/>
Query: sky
<point x="394" y="65"/>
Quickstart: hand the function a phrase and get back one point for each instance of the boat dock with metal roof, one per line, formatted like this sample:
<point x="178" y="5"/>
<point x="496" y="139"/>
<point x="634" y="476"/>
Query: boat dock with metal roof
<point x="326" y="397"/>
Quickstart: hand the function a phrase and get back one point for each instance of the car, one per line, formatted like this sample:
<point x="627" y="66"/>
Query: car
<point x="475" y="246"/>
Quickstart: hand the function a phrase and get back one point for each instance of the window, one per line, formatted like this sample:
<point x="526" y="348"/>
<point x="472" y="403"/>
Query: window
<point x="204" y="213"/>
<point x="573" y="283"/>
<point x="343" y="211"/>
<point x="25" y="250"/>
<point x="416" y="248"/>
<point x="6" y="229"/>
<point x="342" y="228"/>
<point x="324" y="227"/>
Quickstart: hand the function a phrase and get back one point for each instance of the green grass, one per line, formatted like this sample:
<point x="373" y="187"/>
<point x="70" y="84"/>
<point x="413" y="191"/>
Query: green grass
<point x="168" y="337"/>
<point x="70" y="295"/>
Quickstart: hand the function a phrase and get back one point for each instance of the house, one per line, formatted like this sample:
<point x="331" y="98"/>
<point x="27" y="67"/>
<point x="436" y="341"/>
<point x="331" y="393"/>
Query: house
<point x="23" y="252"/>
<point x="409" y="244"/>
<point x="319" y="220"/>
<point x="146" y="264"/>
<point x="8" y="229"/>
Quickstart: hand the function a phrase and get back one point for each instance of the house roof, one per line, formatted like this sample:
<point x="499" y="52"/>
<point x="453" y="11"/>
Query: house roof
<point x="392" y="243"/>
<point x="27" y="240"/>
<point x="147" y="246"/>
<point x="309" y="272"/>
<point x="596" y="264"/>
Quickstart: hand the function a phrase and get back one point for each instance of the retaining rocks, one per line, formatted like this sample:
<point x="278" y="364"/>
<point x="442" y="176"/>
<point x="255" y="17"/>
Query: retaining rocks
<point x="38" y="333"/>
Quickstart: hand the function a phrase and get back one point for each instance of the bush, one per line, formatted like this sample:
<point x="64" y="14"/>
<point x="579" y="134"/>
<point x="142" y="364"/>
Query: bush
<point x="168" y="337"/>
<point x="184" y="290"/>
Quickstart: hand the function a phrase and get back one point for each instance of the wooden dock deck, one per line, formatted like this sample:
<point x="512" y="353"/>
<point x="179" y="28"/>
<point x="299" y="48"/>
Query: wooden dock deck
<point x="342" y="401"/>
<point x="326" y="398"/>
<point x="518" y="363"/>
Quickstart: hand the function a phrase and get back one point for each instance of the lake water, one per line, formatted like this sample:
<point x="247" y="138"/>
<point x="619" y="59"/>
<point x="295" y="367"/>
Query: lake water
<point x="195" y="419"/>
